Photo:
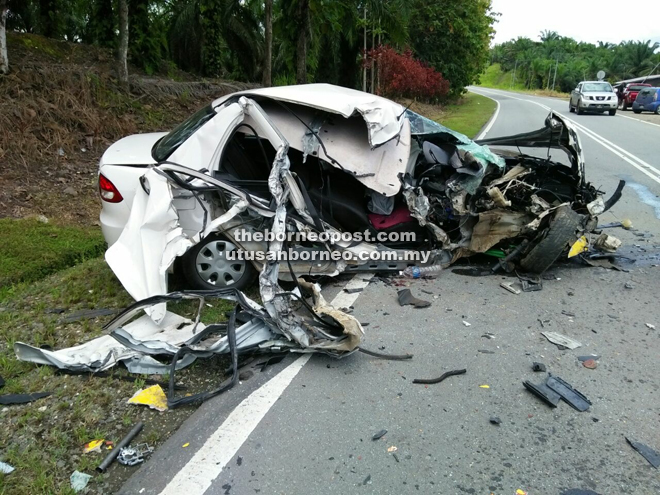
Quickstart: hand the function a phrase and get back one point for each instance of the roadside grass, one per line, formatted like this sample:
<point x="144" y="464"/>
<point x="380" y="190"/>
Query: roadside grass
<point x="493" y="77"/>
<point x="31" y="250"/>
<point x="469" y="114"/>
<point x="43" y="440"/>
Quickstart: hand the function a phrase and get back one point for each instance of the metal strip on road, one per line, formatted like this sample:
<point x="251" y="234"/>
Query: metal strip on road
<point x="208" y="462"/>
<point x="644" y="167"/>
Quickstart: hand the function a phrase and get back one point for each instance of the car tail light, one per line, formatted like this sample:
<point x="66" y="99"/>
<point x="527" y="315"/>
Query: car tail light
<point x="108" y="190"/>
<point x="655" y="96"/>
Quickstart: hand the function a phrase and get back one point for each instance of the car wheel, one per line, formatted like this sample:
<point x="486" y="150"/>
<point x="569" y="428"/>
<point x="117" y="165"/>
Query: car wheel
<point x="206" y="266"/>
<point x="636" y="110"/>
<point x="624" y="107"/>
<point x="553" y="242"/>
<point x="579" y="108"/>
<point x="612" y="112"/>
<point x="657" y="110"/>
<point x="570" y="107"/>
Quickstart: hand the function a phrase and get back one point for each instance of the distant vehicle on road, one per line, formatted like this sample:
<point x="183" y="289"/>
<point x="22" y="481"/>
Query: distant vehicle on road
<point x="648" y="99"/>
<point x="593" y="96"/>
<point x="629" y="93"/>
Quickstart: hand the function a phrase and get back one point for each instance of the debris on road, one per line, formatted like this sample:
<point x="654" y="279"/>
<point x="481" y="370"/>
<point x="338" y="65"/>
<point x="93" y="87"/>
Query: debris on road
<point x="543" y="392"/>
<point x="392" y="449"/>
<point x="354" y="290"/>
<point x="79" y="481"/>
<point x="433" y="381"/>
<point x="590" y="364"/>
<point x="578" y="491"/>
<point x="607" y="243"/>
<point x="467" y="324"/>
<point x="628" y="285"/>
<point x="538" y="367"/>
<point x="153" y="396"/>
<point x="568" y="313"/>
<point x="185" y="445"/>
<point x="568" y="394"/>
<point x="6" y="468"/>
<point x="489" y="335"/>
<point x="103" y="467"/>
<point x="507" y="286"/>
<point x="131" y="456"/>
<point x="367" y="480"/>
<point x="378" y="435"/>
<point x="484" y="386"/>
<point x="650" y="326"/>
<point x="647" y="452"/>
<point x="561" y="340"/>
<point x="495" y="420"/>
<point x="406" y="298"/>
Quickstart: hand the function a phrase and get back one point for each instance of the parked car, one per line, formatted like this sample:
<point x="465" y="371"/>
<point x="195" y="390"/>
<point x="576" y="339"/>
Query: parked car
<point x="629" y="93"/>
<point x="593" y="96"/>
<point x="648" y="100"/>
<point x="320" y="158"/>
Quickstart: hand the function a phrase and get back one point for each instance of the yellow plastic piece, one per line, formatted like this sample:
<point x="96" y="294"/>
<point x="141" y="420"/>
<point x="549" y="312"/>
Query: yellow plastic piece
<point x="484" y="386"/>
<point x="154" y="397"/>
<point x="626" y="224"/>
<point x="185" y="445"/>
<point x="579" y="246"/>
<point x="520" y="492"/>
<point x="93" y="446"/>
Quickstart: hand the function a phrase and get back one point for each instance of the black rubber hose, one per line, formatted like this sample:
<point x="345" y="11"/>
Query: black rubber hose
<point x="440" y="378"/>
<point x="394" y="357"/>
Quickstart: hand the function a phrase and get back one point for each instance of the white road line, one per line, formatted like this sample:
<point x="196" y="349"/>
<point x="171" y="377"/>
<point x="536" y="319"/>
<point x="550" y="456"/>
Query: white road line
<point x="492" y="119"/>
<point x="637" y="120"/>
<point x="209" y="461"/>
<point x="628" y="157"/>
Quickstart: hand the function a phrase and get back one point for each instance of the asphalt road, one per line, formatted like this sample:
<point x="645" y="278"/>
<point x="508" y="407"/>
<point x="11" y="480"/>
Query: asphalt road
<point x="309" y="430"/>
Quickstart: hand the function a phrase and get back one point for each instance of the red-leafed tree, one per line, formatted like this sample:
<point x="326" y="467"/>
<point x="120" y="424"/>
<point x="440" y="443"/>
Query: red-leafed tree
<point x="401" y="75"/>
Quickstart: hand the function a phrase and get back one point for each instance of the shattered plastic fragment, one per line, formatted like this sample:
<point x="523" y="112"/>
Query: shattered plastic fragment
<point x="93" y="446"/>
<point x="154" y="397"/>
<point x="650" y="325"/>
<point x="647" y="452"/>
<point x="607" y="243"/>
<point x="507" y="286"/>
<point x="392" y="449"/>
<point x="484" y="386"/>
<point x="538" y="367"/>
<point x="543" y="392"/>
<point x="590" y="364"/>
<point x="579" y="246"/>
<point x="562" y="340"/>
<point x="378" y="435"/>
<point x="571" y="396"/>
<point x="495" y="420"/>
<point x="467" y="323"/>
<point x="79" y="481"/>
<point x="6" y="468"/>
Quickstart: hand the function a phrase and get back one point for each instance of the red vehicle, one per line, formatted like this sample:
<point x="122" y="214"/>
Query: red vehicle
<point x="629" y="93"/>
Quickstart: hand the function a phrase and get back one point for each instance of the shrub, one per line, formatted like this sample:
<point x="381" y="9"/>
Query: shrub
<point x="402" y="76"/>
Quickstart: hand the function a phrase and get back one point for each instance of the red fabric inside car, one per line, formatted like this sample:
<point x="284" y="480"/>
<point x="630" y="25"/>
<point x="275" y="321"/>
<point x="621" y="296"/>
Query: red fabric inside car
<point x="399" y="215"/>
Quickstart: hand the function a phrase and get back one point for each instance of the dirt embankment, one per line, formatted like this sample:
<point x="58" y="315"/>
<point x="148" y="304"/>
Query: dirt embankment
<point x="62" y="106"/>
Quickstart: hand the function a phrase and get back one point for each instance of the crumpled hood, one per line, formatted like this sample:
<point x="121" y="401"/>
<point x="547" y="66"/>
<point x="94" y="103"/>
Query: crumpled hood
<point x="557" y="133"/>
<point x="132" y="150"/>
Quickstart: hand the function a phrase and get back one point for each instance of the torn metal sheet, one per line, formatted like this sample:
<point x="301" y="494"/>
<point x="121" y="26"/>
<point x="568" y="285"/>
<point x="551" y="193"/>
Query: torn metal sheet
<point x="105" y="352"/>
<point x="562" y="340"/>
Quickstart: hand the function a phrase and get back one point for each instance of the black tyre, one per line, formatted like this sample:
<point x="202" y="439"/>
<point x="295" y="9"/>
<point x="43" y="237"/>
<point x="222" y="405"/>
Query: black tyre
<point x="636" y="110"/>
<point x="657" y="110"/>
<point x="579" y="108"/>
<point x="557" y="238"/>
<point x="624" y="106"/>
<point x="570" y="107"/>
<point x="612" y="112"/>
<point x="206" y="265"/>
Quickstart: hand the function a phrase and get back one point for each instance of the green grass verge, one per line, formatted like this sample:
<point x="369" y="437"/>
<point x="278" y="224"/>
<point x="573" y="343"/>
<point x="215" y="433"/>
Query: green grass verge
<point x="31" y="250"/>
<point x="43" y="440"/>
<point x="493" y="77"/>
<point x="468" y="115"/>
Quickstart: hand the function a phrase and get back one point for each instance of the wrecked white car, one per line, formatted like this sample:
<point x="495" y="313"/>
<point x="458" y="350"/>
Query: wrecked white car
<point x="323" y="161"/>
<point x="344" y="162"/>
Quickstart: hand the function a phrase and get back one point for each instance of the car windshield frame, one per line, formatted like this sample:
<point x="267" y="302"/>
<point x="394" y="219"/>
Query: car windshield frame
<point x="597" y="87"/>
<point x="169" y="143"/>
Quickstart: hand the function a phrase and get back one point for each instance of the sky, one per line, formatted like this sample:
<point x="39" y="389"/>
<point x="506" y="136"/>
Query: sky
<point x="583" y="20"/>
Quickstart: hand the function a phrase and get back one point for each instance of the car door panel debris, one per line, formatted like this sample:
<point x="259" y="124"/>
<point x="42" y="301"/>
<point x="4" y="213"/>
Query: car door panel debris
<point x="431" y="381"/>
<point x="647" y="452"/>
<point x="406" y="298"/>
<point x="561" y="340"/>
